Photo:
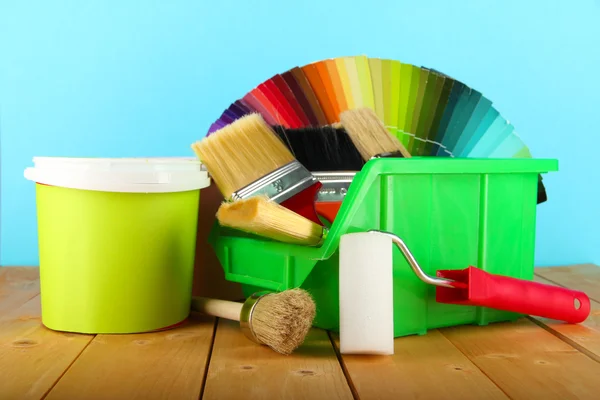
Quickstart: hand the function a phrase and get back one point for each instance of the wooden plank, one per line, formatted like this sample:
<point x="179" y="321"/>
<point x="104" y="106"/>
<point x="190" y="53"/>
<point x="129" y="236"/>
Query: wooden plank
<point x="32" y="357"/>
<point x="422" y="367"/>
<point x="585" y="336"/>
<point x="17" y="286"/>
<point x="584" y="277"/>
<point x="158" y="365"/>
<point x="528" y="362"/>
<point x="242" y="369"/>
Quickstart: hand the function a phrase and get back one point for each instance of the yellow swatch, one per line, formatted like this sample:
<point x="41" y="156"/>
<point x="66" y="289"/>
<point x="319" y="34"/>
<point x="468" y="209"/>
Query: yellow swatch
<point x="375" y="66"/>
<point x="352" y="71"/>
<point x="343" y="71"/>
<point x="365" y="81"/>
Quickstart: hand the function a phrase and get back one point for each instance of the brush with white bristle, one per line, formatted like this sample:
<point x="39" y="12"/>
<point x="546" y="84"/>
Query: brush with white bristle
<point x="246" y="158"/>
<point x="241" y="152"/>
<point x="369" y="135"/>
<point x="261" y="216"/>
<point x="280" y="321"/>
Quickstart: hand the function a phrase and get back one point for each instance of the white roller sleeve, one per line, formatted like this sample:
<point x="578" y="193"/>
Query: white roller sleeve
<point x="366" y="294"/>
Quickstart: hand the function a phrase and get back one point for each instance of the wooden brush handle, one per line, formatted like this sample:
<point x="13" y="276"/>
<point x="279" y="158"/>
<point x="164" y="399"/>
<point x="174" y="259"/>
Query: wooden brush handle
<point x="217" y="308"/>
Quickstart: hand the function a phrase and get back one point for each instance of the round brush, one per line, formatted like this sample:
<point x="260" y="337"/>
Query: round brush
<point x="278" y="320"/>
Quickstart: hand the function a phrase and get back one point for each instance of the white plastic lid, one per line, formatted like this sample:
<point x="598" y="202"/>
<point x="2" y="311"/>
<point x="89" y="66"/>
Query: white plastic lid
<point x="133" y="175"/>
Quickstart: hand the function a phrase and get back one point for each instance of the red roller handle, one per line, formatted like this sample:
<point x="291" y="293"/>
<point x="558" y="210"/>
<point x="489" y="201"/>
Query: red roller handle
<point x="303" y="203"/>
<point x="516" y="295"/>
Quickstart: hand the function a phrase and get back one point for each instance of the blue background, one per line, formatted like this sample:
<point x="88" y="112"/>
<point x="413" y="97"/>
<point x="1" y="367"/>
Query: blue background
<point x="126" y="78"/>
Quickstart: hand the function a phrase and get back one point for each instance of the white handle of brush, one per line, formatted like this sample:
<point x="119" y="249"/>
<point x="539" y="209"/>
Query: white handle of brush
<point x="366" y="294"/>
<point x="217" y="308"/>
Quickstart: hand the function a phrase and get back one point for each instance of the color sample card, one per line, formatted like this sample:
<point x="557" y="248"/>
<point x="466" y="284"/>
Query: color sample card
<point x="284" y="88"/>
<point x="375" y="67"/>
<point x="336" y="82"/>
<point x="406" y="71"/>
<point x="467" y="113"/>
<point x="346" y="85"/>
<point x="328" y="84"/>
<point x="314" y="79"/>
<point x="430" y="98"/>
<point x="391" y="94"/>
<point x="432" y="145"/>
<point x="363" y="75"/>
<point x="492" y="138"/>
<point x="432" y="113"/>
<point x="415" y="80"/>
<point x="508" y="148"/>
<point x="449" y="111"/>
<point x="482" y="128"/>
<point x="418" y="105"/>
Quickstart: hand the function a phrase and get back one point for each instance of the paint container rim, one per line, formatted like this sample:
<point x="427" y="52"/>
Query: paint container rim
<point x="126" y="174"/>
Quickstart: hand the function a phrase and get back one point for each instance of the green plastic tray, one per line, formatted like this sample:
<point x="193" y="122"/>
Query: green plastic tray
<point x="451" y="213"/>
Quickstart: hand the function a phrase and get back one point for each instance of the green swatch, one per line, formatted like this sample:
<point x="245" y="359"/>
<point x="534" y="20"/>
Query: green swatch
<point x="406" y="71"/>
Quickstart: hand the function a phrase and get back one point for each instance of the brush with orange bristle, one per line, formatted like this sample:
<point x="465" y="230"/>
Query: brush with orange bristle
<point x="246" y="158"/>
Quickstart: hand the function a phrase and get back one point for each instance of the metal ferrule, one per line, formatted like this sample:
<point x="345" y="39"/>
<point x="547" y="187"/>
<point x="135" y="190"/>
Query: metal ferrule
<point x="246" y="315"/>
<point x="279" y="185"/>
<point x="388" y="154"/>
<point x="335" y="185"/>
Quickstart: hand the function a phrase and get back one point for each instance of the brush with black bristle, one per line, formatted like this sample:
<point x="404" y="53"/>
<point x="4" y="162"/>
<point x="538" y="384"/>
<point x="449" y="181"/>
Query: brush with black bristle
<point x="329" y="153"/>
<point x="325" y="148"/>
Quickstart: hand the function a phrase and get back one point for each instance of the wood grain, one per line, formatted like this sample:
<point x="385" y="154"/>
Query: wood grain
<point x="241" y="369"/>
<point x="584" y="277"/>
<point x="17" y="286"/>
<point x="422" y="367"/>
<point x="585" y="336"/>
<point x="32" y="357"/>
<point x="158" y="365"/>
<point x="528" y="359"/>
<point x="527" y="362"/>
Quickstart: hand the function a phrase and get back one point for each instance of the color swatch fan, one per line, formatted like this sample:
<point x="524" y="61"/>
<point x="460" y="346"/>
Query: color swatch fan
<point x="431" y="113"/>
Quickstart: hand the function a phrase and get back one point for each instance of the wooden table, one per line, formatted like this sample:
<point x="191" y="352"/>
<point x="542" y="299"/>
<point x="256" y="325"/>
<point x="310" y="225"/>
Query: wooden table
<point x="211" y="359"/>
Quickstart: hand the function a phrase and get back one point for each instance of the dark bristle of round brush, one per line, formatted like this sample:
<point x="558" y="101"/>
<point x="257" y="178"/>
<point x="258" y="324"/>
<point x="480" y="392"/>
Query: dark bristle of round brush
<point x="322" y="148"/>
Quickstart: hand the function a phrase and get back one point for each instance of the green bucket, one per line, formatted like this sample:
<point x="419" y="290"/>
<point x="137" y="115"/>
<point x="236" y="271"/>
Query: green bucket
<point x="452" y="213"/>
<point x="117" y="240"/>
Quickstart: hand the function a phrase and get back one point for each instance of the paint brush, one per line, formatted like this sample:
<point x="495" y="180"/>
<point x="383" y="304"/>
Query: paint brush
<point x="246" y="158"/>
<point x="329" y="153"/>
<point x="325" y="148"/>
<point x="370" y="136"/>
<point x="278" y="320"/>
<point x="261" y="216"/>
